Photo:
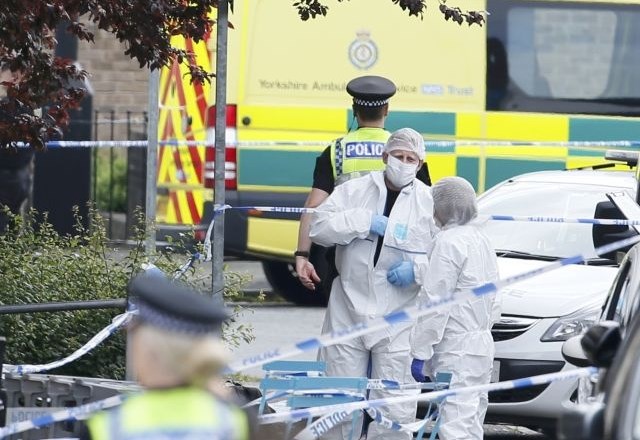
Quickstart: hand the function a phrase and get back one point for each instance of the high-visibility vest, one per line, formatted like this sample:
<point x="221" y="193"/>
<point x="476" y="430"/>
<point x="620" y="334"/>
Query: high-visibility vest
<point x="176" y="413"/>
<point x="358" y="153"/>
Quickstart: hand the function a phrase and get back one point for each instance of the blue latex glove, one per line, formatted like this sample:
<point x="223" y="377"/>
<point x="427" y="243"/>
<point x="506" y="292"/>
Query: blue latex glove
<point x="417" y="368"/>
<point x="401" y="274"/>
<point x="378" y="224"/>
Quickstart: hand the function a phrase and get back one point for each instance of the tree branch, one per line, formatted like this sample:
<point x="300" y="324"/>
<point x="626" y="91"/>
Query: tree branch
<point x="315" y="8"/>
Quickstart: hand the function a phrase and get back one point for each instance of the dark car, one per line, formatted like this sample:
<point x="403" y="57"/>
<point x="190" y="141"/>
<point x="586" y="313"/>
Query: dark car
<point x="612" y="409"/>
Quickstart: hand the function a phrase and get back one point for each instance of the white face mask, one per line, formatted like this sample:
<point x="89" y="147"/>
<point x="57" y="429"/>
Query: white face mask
<point x="400" y="174"/>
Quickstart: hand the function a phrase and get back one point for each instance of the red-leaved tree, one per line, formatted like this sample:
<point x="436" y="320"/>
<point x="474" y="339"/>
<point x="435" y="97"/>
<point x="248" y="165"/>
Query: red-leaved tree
<point x="316" y="8"/>
<point x="34" y="77"/>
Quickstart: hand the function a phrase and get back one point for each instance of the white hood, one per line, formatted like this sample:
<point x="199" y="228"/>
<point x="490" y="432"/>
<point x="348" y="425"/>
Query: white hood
<point x="556" y="293"/>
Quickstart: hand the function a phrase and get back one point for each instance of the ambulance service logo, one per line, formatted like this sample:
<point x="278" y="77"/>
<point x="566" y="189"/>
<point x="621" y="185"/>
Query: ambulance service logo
<point x="363" y="52"/>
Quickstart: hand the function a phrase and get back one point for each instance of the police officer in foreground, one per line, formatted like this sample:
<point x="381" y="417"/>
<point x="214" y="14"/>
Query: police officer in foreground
<point x="177" y="354"/>
<point x="353" y="155"/>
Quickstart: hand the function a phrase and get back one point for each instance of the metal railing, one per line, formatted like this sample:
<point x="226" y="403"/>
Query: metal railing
<point x="116" y="193"/>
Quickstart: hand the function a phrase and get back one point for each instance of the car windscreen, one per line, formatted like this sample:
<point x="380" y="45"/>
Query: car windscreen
<point x="542" y="200"/>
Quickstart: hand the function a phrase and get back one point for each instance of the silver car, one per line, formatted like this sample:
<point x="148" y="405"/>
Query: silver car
<point x="540" y="314"/>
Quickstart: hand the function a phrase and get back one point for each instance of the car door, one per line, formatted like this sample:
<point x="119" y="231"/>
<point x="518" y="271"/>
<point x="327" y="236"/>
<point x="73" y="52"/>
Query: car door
<point x="624" y="297"/>
<point x="621" y="306"/>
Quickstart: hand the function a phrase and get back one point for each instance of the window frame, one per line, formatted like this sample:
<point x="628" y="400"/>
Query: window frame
<point x="516" y="99"/>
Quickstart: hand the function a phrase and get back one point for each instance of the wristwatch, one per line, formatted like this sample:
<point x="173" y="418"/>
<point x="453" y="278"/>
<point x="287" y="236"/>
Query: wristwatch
<point x="304" y="254"/>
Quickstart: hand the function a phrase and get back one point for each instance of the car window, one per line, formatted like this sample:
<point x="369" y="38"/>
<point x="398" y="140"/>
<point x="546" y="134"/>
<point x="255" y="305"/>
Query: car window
<point x="550" y="52"/>
<point x="538" y="53"/>
<point x="573" y="51"/>
<point x="624" y="296"/>
<point x="548" y="200"/>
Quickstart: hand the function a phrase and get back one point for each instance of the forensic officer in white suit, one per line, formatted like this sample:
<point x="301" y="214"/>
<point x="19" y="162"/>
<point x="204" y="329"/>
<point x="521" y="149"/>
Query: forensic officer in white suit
<point x="458" y="340"/>
<point x="383" y="225"/>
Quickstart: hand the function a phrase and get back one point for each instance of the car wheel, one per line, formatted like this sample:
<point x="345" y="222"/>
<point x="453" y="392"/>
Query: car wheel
<point x="283" y="279"/>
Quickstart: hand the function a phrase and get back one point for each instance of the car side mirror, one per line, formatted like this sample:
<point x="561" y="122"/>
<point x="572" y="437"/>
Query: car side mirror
<point x="573" y="353"/>
<point x="600" y="343"/>
<point x="607" y="234"/>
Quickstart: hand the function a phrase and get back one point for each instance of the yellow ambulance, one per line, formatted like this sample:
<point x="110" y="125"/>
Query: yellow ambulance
<point x="550" y="71"/>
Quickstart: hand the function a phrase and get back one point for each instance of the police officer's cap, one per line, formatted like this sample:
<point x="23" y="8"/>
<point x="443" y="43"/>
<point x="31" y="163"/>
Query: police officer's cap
<point x="174" y="306"/>
<point x="371" y="91"/>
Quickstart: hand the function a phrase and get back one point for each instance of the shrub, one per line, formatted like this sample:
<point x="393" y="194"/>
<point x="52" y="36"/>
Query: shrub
<point x="106" y="182"/>
<point x="38" y="265"/>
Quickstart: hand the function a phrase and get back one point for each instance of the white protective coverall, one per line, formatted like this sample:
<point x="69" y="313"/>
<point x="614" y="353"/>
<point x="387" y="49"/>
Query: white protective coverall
<point x="459" y="340"/>
<point x="361" y="292"/>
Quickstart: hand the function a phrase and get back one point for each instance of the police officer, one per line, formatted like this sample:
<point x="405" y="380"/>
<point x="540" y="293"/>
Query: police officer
<point x="353" y="155"/>
<point x="176" y="353"/>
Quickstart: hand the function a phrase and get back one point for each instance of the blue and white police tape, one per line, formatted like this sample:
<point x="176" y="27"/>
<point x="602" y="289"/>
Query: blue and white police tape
<point x="591" y="221"/>
<point x="372" y="384"/>
<point x="380" y="419"/>
<point x="187" y="265"/>
<point x="321" y="426"/>
<point x="103" y="334"/>
<point x="574" y="144"/>
<point x="429" y="144"/>
<point x="386" y="384"/>
<point x="75" y="413"/>
<point x="328" y="410"/>
<point x="402" y="316"/>
<point x="219" y="209"/>
<point x="514" y="218"/>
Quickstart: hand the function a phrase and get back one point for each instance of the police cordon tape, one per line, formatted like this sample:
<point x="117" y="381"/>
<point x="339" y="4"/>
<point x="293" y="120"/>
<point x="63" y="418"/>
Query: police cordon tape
<point x="592" y="221"/>
<point x="521" y="218"/>
<point x="103" y="334"/>
<point x="75" y="413"/>
<point x="410" y="313"/>
<point x="372" y="384"/>
<point x="436" y="144"/>
<point x="81" y="412"/>
<point x="329" y="410"/>
<point x="219" y="209"/>
<point x="321" y="426"/>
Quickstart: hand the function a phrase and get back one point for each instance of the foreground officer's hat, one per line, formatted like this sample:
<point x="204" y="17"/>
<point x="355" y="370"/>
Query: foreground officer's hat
<point x="371" y="91"/>
<point x="174" y="306"/>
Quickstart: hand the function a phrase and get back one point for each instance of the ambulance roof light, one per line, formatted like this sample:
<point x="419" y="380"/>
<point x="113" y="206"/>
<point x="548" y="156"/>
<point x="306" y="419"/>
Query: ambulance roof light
<point x="628" y="157"/>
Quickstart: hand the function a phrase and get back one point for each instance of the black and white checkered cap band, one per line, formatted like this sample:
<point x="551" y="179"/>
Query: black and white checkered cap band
<point x="153" y="317"/>
<point x="366" y="103"/>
